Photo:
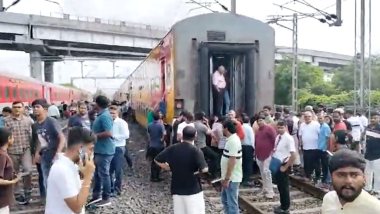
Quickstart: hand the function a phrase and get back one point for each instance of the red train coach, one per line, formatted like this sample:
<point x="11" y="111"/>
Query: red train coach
<point x="27" y="89"/>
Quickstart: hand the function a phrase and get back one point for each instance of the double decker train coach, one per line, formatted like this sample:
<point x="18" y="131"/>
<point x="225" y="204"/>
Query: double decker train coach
<point x="180" y="68"/>
<point x="26" y="89"/>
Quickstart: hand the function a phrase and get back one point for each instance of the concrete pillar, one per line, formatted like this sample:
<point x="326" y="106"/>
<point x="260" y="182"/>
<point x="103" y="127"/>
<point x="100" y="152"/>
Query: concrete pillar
<point x="49" y="71"/>
<point x="1" y="5"/>
<point x="35" y="65"/>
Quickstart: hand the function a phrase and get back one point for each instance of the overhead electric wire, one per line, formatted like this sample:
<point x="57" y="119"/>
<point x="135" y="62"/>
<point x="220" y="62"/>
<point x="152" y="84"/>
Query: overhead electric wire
<point x="221" y="5"/>
<point x="13" y="4"/>
<point x="195" y="2"/>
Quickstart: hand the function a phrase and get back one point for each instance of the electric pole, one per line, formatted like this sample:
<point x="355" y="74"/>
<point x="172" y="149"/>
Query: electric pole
<point x="113" y="68"/>
<point x="233" y="6"/>
<point x="81" y="67"/>
<point x="1" y="5"/>
<point x="362" y="54"/>
<point x="295" y="63"/>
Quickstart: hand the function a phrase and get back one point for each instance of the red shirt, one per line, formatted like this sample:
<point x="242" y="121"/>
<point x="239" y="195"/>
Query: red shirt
<point x="239" y="130"/>
<point x="264" y="142"/>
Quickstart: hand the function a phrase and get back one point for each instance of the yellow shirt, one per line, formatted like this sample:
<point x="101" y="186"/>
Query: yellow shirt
<point x="363" y="204"/>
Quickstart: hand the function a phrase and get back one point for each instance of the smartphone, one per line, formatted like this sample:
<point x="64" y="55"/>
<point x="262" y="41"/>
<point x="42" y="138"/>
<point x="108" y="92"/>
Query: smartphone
<point x="217" y="183"/>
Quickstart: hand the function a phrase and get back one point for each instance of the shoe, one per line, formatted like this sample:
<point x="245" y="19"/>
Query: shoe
<point x="279" y="210"/>
<point x="131" y="172"/>
<point x="103" y="203"/>
<point x="22" y="200"/>
<point x="244" y="184"/>
<point x="94" y="201"/>
<point x="269" y="195"/>
<point x="156" y="180"/>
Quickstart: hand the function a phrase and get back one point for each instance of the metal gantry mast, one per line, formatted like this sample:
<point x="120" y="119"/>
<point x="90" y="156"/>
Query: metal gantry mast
<point x="295" y="62"/>
<point x="362" y="53"/>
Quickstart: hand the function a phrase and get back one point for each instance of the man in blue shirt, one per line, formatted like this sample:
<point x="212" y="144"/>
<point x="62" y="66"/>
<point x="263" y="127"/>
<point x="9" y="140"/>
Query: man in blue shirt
<point x="156" y="134"/>
<point x="104" y="151"/>
<point x="323" y="157"/>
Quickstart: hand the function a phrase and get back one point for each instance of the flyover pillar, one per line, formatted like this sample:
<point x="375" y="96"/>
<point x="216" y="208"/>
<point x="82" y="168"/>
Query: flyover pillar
<point x="49" y="71"/>
<point x="35" y="65"/>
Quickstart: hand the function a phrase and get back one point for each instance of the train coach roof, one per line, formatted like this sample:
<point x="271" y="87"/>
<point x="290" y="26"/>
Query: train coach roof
<point x="33" y="80"/>
<point x="224" y="18"/>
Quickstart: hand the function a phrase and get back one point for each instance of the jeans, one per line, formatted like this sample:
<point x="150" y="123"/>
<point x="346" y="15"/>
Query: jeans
<point x="213" y="157"/>
<point x="46" y="161"/>
<point x="247" y="162"/>
<point x="230" y="198"/>
<point x="282" y="179"/>
<point x="218" y="100"/>
<point x="154" y="168"/>
<point x="310" y="163"/>
<point x="127" y="156"/>
<point x="323" y="158"/>
<point x="102" y="176"/>
<point x="117" y="168"/>
<point x="226" y="103"/>
<point x="41" y="181"/>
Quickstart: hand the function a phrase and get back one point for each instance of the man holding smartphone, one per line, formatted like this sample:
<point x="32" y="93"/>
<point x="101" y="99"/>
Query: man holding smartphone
<point x="67" y="194"/>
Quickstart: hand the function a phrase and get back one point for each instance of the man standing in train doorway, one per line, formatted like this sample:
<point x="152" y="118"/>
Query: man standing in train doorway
<point x="219" y="87"/>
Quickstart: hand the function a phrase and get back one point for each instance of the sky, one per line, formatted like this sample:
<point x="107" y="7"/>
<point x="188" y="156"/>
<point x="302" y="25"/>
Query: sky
<point x="311" y="34"/>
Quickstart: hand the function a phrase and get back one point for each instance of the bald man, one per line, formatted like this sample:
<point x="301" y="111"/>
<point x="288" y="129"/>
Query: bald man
<point x="219" y="87"/>
<point x="308" y="135"/>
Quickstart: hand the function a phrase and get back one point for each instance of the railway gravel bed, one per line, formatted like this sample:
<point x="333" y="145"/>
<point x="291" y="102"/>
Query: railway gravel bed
<point x="139" y="196"/>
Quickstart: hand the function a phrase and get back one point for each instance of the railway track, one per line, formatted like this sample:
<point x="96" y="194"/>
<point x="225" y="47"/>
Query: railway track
<point x="305" y="198"/>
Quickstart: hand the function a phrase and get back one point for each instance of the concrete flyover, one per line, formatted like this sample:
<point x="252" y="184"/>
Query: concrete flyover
<point x="58" y="35"/>
<point x="325" y="60"/>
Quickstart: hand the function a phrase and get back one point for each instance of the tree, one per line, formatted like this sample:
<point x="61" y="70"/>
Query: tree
<point x="310" y="78"/>
<point x="344" y="78"/>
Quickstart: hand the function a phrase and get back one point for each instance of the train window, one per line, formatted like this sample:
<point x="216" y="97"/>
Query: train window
<point x="31" y="93"/>
<point x="26" y="94"/>
<point x="14" y="93"/>
<point x="1" y="95"/>
<point x="36" y="94"/>
<point x="7" y="92"/>
<point x="20" y="93"/>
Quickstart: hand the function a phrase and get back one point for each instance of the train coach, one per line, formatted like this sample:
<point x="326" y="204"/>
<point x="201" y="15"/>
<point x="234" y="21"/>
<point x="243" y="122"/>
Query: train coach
<point x="26" y="89"/>
<point x="180" y="68"/>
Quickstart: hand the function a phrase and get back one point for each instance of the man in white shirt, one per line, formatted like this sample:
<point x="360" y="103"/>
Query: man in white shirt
<point x="53" y="111"/>
<point x="188" y="121"/>
<point x="309" y="134"/>
<point x="357" y="129"/>
<point x="219" y="87"/>
<point x="348" y="179"/>
<point x="120" y="133"/>
<point x="284" y="151"/>
<point x="67" y="194"/>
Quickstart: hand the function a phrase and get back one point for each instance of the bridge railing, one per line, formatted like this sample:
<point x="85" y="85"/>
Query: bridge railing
<point x="102" y="21"/>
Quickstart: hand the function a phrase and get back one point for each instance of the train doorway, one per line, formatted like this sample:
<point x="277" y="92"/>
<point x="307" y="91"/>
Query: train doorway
<point x="238" y="60"/>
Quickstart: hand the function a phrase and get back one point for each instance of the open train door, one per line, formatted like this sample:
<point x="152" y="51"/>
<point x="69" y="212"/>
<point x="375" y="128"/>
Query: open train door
<point x="241" y="57"/>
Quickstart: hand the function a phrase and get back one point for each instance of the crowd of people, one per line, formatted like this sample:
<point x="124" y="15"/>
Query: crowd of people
<point x="319" y="144"/>
<point x="93" y="144"/>
<point x="336" y="150"/>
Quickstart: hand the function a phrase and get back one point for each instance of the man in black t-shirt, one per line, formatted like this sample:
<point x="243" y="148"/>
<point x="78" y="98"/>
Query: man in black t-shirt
<point x="185" y="161"/>
<point x="372" y="154"/>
